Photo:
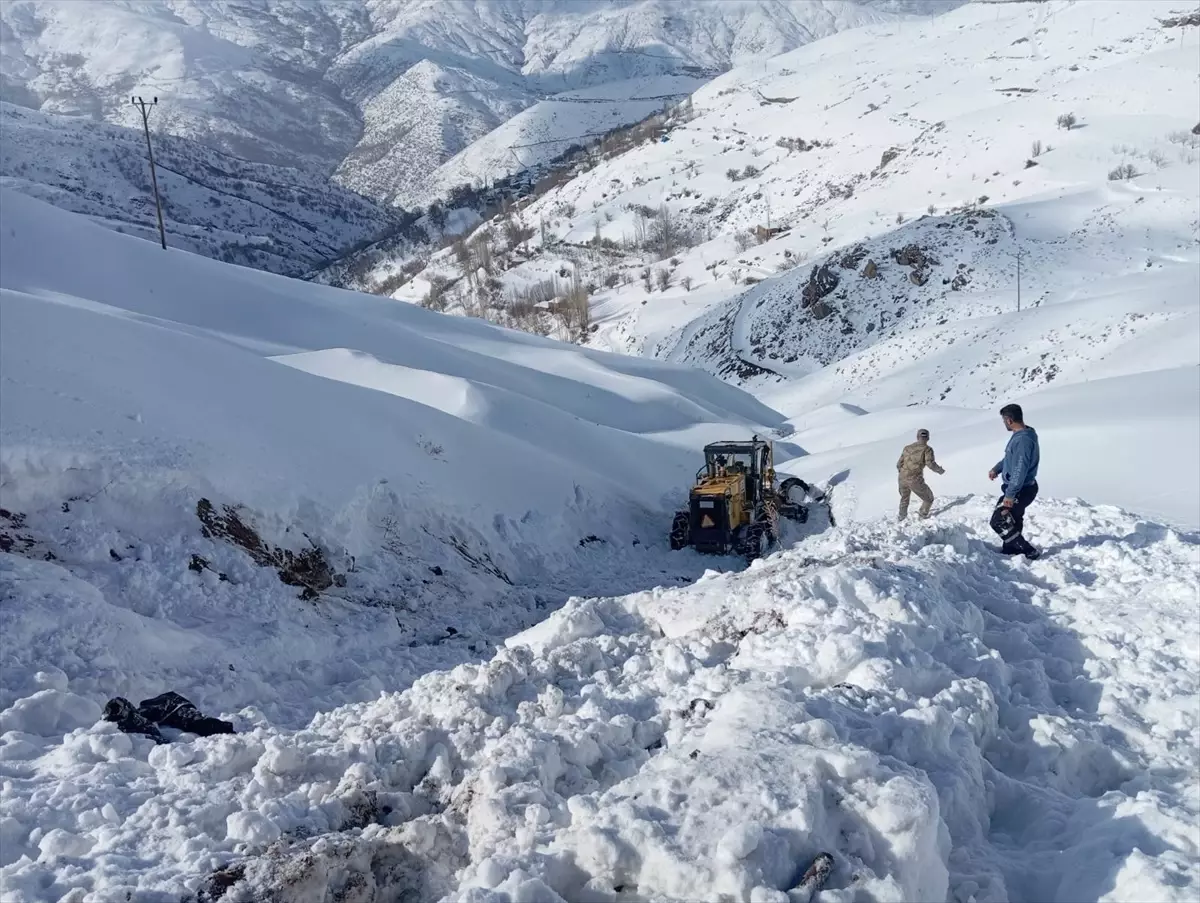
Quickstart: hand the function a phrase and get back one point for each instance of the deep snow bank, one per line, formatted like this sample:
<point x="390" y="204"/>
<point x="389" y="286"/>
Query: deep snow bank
<point x="461" y="477"/>
<point x="113" y="344"/>
<point x="949" y="723"/>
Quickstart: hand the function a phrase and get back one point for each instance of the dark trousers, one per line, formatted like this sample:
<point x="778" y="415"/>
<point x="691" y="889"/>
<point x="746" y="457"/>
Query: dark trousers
<point x="1011" y="532"/>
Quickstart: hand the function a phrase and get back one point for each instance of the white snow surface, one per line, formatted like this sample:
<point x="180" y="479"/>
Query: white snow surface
<point x="462" y="476"/>
<point x="1131" y="440"/>
<point x="952" y="725"/>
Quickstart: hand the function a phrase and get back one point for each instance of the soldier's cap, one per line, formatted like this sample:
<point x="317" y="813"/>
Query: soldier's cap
<point x="922" y="434"/>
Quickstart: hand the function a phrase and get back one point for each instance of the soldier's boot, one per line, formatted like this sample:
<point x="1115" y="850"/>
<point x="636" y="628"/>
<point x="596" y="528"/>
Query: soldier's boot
<point x="925" y="494"/>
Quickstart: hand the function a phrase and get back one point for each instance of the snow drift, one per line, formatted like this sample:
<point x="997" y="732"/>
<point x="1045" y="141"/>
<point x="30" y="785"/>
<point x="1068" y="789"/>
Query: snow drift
<point x="950" y="724"/>
<point x="457" y="477"/>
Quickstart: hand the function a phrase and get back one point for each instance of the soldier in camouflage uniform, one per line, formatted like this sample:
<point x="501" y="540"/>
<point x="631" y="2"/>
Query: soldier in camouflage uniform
<point x="911" y="467"/>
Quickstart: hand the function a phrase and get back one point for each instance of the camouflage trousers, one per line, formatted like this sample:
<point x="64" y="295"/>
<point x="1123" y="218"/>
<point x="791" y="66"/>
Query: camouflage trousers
<point x="918" y="487"/>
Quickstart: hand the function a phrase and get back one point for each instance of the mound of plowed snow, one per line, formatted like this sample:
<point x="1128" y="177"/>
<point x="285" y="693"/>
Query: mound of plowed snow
<point x="947" y="722"/>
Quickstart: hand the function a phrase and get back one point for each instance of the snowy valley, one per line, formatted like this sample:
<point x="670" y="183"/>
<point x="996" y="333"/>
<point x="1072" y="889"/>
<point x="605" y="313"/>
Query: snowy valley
<point x="274" y="218"/>
<point x="419" y="560"/>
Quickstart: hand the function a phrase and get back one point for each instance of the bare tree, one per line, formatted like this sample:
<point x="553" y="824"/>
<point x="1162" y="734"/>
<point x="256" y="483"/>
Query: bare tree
<point x="664" y="233"/>
<point x="481" y="254"/>
<point x="516" y="233"/>
<point x="436" y="299"/>
<point x="462" y="255"/>
<point x="438" y="216"/>
<point x="575" y="307"/>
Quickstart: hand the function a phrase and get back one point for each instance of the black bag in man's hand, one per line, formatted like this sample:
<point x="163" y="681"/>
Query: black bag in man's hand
<point x="1004" y="523"/>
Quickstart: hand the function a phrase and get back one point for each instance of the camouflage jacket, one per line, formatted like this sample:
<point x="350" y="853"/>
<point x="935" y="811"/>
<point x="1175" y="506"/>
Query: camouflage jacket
<point x="914" y="459"/>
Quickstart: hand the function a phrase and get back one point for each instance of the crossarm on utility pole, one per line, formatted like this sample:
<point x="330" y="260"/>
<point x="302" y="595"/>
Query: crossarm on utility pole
<point x="145" y="109"/>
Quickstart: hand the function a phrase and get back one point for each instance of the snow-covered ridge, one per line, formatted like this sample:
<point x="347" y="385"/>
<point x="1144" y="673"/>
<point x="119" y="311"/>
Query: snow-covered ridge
<point x="384" y="91"/>
<point x="274" y="218"/>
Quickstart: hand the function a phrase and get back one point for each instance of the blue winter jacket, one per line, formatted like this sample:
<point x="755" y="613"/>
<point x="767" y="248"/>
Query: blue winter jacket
<point x="1020" y="464"/>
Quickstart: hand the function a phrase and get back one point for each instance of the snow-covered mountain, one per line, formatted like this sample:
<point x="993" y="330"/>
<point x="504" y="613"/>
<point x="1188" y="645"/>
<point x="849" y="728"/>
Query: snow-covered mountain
<point x="875" y="204"/>
<point x="275" y="218"/>
<point x="383" y="92"/>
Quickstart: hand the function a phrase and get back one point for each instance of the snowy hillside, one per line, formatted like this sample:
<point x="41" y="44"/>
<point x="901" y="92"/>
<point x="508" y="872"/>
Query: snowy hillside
<point x="454" y="474"/>
<point x="316" y="514"/>
<point x="542" y="132"/>
<point x="274" y="218"/>
<point x="881" y="200"/>
<point x="385" y="91"/>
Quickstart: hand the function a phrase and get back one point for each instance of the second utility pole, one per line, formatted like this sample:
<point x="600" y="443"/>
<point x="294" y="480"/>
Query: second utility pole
<point x="1018" y="281"/>
<point x="145" y="111"/>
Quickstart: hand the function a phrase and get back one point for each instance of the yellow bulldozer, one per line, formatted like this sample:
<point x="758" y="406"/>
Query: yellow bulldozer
<point x="735" y="504"/>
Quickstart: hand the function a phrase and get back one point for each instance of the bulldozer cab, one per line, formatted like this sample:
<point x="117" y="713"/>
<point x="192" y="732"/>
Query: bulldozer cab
<point x="752" y="461"/>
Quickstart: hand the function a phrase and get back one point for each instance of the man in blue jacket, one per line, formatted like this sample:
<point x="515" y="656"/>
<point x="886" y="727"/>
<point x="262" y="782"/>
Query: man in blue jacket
<point x="1019" y="468"/>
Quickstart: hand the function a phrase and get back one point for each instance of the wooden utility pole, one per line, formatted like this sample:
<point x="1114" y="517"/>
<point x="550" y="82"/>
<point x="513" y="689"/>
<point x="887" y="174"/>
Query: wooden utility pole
<point x="145" y="109"/>
<point x="1018" y="255"/>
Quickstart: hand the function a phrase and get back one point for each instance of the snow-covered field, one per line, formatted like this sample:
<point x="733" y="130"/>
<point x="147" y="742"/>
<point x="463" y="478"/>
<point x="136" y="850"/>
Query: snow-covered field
<point x="458" y="477"/>
<point x="947" y="723"/>
<point x="1132" y="441"/>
